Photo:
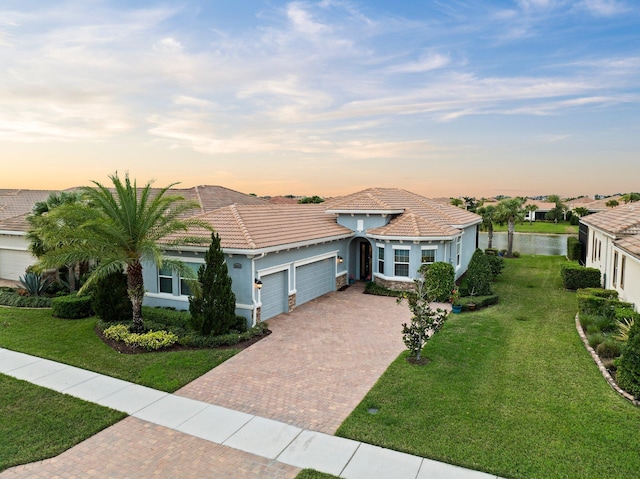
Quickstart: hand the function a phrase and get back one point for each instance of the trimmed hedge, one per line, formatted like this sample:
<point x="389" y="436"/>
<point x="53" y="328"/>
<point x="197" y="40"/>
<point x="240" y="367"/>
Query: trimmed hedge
<point x="8" y="297"/>
<point x="196" y="340"/>
<point x="72" y="307"/>
<point x="574" y="248"/>
<point x="601" y="302"/>
<point x="480" y="301"/>
<point x="628" y="373"/>
<point x="151" y="341"/>
<point x="576" y="277"/>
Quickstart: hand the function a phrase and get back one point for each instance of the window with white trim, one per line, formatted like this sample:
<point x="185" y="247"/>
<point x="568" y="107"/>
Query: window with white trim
<point x="185" y="290"/>
<point x="165" y="280"/>
<point x="428" y="255"/>
<point x="623" y="263"/>
<point x="401" y="262"/>
<point x="614" y="276"/>
<point x="458" y="250"/>
<point x="381" y="259"/>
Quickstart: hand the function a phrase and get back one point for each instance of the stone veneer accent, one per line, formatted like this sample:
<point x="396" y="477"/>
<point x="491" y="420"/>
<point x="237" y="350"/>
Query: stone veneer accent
<point x="395" y="285"/>
<point x="341" y="281"/>
<point x="292" y="302"/>
<point x="258" y="316"/>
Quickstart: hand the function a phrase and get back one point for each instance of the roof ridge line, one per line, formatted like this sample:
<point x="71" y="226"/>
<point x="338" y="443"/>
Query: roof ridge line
<point x="197" y="190"/>
<point x="243" y="227"/>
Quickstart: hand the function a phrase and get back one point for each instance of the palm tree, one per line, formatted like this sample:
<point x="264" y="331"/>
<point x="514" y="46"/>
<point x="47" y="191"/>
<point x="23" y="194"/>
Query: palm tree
<point x="456" y="202"/>
<point x="38" y="219"/>
<point x="530" y="209"/>
<point x="580" y="211"/>
<point x="510" y="211"/>
<point x="488" y="217"/>
<point x="612" y="203"/>
<point x="118" y="229"/>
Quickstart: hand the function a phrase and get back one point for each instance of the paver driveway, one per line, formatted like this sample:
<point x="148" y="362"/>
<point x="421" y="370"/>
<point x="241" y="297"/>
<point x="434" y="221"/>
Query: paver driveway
<point x="316" y="366"/>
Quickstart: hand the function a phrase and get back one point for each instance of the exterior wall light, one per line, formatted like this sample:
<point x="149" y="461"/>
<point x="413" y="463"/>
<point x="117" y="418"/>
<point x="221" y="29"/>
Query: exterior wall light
<point x="257" y="284"/>
<point x="340" y="259"/>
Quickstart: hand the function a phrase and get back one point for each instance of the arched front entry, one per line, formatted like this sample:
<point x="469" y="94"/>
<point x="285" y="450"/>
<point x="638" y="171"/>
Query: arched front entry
<point x="360" y="259"/>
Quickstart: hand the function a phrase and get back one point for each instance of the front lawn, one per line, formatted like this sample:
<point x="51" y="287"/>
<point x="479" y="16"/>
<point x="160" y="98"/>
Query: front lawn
<point x="74" y="342"/>
<point x="508" y="390"/>
<point x="37" y="423"/>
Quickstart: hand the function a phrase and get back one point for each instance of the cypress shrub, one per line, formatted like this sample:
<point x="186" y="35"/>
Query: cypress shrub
<point x="71" y="307"/>
<point x="574" y="248"/>
<point x="575" y="276"/>
<point x="213" y="310"/>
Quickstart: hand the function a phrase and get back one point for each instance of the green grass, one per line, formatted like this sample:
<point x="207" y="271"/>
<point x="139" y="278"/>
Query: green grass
<point x="74" y="342"/>
<point x="313" y="474"/>
<point x="509" y="390"/>
<point x="37" y="423"/>
<point x="541" y="227"/>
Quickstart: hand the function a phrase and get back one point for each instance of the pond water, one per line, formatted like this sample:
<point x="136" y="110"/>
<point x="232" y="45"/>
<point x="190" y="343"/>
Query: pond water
<point x="529" y="243"/>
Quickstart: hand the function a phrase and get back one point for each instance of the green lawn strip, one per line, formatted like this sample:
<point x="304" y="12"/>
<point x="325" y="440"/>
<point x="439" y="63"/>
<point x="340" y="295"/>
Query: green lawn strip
<point x="313" y="474"/>
<point x="74" y="342"/>
<point x="541" y="227"/>
<point x="509" y="390"/>
<point x="37" y="423"/>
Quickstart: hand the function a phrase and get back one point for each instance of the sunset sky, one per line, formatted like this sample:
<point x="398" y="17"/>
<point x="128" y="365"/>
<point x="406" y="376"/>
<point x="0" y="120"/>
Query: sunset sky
<point x="443" y="98"/>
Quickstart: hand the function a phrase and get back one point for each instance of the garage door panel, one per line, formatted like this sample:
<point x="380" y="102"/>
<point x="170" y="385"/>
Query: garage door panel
<point x="14" y="263"/>
<point x="314" y="280"/>
<point x="274" y="295"/>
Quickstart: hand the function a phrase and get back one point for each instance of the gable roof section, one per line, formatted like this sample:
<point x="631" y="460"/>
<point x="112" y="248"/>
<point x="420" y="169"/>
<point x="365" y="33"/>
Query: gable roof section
<point x="427" y="217"/>
<point x="257" y="227"/>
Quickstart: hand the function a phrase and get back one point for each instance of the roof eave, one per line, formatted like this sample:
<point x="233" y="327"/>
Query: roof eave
<point x="411" y="238"/>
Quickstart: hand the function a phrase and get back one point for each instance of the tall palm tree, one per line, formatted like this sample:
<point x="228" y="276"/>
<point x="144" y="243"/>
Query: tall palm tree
<point x="531" y="209"/>
<point x="488" y="214"/>
<point x="120" y="228"/>
<point x="510" y="211"/>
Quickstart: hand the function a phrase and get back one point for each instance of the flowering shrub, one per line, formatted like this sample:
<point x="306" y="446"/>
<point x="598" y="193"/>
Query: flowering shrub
<point x="151" y="341"/>
<point x="117" y="332"/>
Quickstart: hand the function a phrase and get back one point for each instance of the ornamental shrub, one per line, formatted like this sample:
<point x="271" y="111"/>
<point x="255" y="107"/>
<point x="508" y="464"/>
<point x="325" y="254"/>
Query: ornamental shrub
<point x="574" y="248"/>
<point x="111" y="302"/>
<point x="151" y="341"/>
<point x="117" y="332"/>
<point x="439" y="279"/>
<point x="628" y="373"/>
<point x="213" y="310"/>
<point x="496" y="263"/>
<point x="575" y="276"/>
<point x="9" y="297"/>
<point x="609" y="348"/>
<point x="71" y="307"/>
<point x="479" y="274"/>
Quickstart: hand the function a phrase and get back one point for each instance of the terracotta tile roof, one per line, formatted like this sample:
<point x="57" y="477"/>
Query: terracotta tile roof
<point x="601" y="205"/>
<point x="411" y="225"/>
<point x="18" y="202"/>
<point x="282" y="200"/>
<point x="17" y="224"/>
<point x="264" y="226"/>
<point x="619" y="221"/>
<point x="214" y="197"/>
<point x="630" y="243"/>
<point x="542" y="205"/>
<point x="427" y="217"/>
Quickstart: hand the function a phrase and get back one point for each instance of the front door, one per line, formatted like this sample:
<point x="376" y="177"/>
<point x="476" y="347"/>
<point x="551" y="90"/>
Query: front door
<point x="365" y="261"/>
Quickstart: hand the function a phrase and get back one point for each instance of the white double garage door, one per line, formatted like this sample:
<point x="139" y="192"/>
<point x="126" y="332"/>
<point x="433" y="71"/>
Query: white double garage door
<point x="310" y="281"/>
<point x="13" y="263"/>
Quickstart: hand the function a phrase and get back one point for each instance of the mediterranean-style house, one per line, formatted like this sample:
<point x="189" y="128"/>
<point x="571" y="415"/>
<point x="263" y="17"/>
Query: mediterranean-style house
<point x="611" y="243"/>
<point x="280" y="256"/>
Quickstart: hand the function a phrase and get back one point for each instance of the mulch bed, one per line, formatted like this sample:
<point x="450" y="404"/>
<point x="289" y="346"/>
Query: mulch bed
<point x="123" y="348"/>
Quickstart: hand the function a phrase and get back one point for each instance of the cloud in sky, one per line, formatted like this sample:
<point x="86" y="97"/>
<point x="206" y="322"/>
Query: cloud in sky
<point x="332" y="81"/>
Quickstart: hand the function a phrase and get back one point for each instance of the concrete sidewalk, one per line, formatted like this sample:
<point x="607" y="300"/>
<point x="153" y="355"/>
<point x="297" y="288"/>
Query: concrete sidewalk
<point x="278" y="443"/>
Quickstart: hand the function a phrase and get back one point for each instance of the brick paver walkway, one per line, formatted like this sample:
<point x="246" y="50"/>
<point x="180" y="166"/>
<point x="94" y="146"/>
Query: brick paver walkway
<point x="134" y="449"/>
<point x="316" y="366"/>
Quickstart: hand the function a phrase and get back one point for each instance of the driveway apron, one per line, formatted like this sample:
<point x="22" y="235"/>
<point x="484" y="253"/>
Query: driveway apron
<point x="316" y="366"/>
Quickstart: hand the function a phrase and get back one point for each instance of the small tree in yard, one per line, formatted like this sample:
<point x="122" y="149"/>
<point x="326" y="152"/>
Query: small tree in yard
<point x="425" y="321"/>
<point x="213" y="310"/>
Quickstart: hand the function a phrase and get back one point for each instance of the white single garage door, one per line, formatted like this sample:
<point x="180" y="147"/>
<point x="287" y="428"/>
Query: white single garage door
<point x="315" y="279"/>
<point x="14" y="263"/>
<point x="274" y="295"/>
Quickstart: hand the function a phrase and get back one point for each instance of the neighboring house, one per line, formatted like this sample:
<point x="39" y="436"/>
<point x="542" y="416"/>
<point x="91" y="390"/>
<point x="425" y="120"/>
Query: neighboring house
<point x="544" y="207"/>
<point x="15" y="205"/>
<point x="296" y="253"/>
<point x="611" y="240"/>
<point x="15" y="257"/>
